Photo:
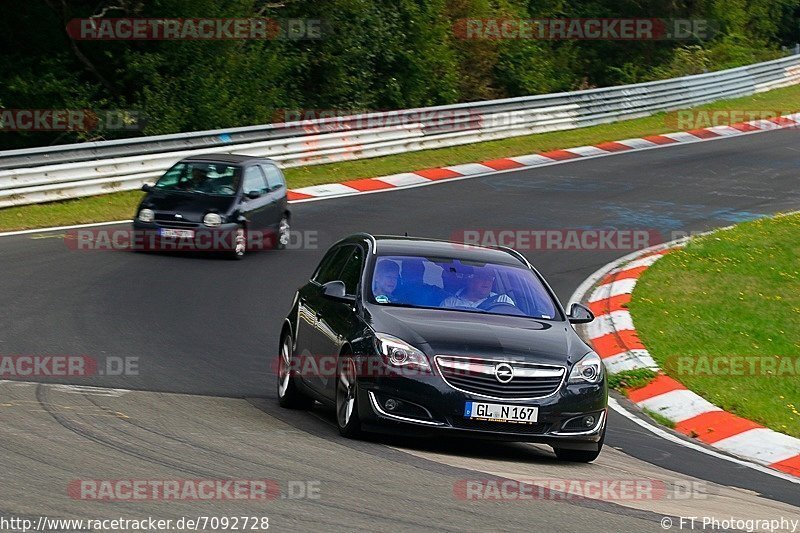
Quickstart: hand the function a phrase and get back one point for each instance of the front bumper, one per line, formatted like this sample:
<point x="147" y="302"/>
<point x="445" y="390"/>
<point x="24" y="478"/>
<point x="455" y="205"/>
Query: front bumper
<point x="443" y="412"/>
<point x="147" y="237"/>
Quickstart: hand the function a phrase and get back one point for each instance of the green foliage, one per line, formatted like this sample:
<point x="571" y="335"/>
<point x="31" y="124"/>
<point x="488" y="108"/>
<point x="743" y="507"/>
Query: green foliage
<point x="631" y="379"/>
<point x="374" y="55"/>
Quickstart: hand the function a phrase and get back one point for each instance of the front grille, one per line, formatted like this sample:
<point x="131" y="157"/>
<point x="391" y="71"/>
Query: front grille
<point x="479" y="376"/>
<point x="539" y="428"/>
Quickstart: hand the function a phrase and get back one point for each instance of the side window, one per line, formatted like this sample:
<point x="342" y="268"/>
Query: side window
<point x="254" y="180"/>
<point x="171" y="176"/>
<point x="351" y="274"/>
<point x="274" y="176"/>
<point x="331" y="266"/>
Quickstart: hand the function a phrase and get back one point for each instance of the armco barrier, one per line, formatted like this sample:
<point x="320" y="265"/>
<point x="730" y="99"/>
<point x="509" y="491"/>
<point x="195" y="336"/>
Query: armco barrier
<point x="71" y="171"/>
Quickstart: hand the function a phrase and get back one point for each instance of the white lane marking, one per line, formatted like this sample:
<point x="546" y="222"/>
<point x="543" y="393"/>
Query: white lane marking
<point x="613" y="404"/>
<point x="637" y="144"/>
<point x="609" y="323"/>
<point x="403" y="179"/>
<point x="327" y="189"/>
<point x="61" y="228"/>
<point x="583" y="151"/>
<point x="470" y="169"/>
<point x="630" y="360"/>
<point x="762" y="444"/>
<point x="678" y="405"/>
<point x="682" y="136"/>
<point x="724" y="130"/>
<point x="533" y="160"/>
<point x="615" y="288"/>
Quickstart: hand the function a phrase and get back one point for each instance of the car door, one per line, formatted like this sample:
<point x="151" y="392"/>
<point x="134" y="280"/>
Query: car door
<point x="337" y="319"/>
<point x="311" y="306"/>
<point x="276" y="193"/>
<point x="256" y="210"/>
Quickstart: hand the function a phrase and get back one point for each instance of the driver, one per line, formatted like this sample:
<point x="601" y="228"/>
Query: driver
<point x="478" y="292"/>
<point x="387" y="273"/>
<point x="197" y="179"/>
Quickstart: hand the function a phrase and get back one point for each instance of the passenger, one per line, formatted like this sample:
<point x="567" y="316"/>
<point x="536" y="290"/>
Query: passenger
<point x="413" y="289"/>
<point x="384" y="283"/>
<point x="478" y="292"/>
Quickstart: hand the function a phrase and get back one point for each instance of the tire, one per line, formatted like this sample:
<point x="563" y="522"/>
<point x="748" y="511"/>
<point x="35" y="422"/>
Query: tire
<point x="289" y="396"/>
<point x="239" y="244"/>
<point x="284" y="229"/>
<point x="580" y="456"/>
<point x="347" y="418"/>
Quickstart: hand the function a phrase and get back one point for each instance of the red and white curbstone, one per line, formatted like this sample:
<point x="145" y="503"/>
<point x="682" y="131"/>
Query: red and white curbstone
<point x="434" y="175"/>
<point x="614" y="338"/>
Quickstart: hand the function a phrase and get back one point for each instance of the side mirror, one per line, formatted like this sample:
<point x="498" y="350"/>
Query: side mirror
<point x="335" y="290"/>
<point x="579" y="314"/>
<point x="147" y="187"/>
<point x="253" y="195"/>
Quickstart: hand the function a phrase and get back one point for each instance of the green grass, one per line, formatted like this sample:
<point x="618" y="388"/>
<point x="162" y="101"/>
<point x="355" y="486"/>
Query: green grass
<point x="631" y="379"/>
<point x="733" y="293"/>
<point x="118" y="206"/>
<point x="661" y="419"/>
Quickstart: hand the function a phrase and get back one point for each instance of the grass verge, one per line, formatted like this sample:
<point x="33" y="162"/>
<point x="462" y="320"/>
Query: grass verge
<point x="723" y="317"/>
<point x="119" y="206"/>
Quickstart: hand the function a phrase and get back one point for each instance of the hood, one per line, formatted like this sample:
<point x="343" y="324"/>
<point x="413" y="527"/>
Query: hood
<point x="440" y="332"/>
<point x="192" y="206"/>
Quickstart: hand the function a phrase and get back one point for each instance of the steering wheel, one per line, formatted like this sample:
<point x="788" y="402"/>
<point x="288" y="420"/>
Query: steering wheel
<point x="226" y="189"/>
<point x="504" y="307"/>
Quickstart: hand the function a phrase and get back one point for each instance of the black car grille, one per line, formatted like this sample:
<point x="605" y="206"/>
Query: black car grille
<point x="478" y="376"/>
<point x="539" y="428"/>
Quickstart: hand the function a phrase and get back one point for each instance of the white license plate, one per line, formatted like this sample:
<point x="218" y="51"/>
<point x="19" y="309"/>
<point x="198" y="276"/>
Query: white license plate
<point x="498" y="412"/>
<point x="177" y="233"/>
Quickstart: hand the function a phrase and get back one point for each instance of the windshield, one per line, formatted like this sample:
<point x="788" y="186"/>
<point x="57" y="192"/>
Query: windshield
<point x="431" y="282"/>
<point x="200" y="177"/>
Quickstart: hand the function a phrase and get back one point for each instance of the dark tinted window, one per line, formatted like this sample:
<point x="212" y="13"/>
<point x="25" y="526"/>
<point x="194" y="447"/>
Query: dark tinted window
<point x="254" y="180"/>
<point x="274" y="176"/>
<point x="351" y="274"/>
<point x="332" y="264"/>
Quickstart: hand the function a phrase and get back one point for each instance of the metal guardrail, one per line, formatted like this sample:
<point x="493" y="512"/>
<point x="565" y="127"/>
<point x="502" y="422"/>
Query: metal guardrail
<point x="71" y="171"/>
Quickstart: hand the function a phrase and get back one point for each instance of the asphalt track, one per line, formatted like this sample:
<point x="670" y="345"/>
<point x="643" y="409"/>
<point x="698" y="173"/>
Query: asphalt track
<point x="205" y="331"/>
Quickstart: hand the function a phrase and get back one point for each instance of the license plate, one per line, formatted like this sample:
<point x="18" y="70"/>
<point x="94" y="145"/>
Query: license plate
<point x="498" y="412"/>
<point x="177" y="233"/>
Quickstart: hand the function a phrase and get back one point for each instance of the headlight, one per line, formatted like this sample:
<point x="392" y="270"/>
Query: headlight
<point x="212" y="219"/>
<point x="146" y="215"/>
<point x="400" y="354"/>
<point x="587" y="370"/>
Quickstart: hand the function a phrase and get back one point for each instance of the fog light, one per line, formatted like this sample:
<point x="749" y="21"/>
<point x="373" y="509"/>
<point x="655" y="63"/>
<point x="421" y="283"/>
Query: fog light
<point x="588" y="421"/>
<point x="391" y="404"/>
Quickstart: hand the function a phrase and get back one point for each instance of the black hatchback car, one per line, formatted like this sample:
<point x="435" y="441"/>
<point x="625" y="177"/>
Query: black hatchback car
<point x="428" y="337"/>
<point x="216" y="202"/>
